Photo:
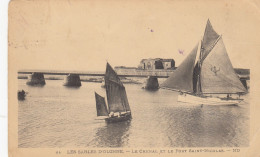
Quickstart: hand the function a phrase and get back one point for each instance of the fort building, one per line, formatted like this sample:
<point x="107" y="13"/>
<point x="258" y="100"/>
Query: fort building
<point x="156" y="63"/>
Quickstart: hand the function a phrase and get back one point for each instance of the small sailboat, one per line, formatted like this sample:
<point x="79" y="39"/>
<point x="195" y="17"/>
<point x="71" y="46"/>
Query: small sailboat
<point x="206" y="74"/>
<point x="118" y="107"/>
<point x="21" y="94"/>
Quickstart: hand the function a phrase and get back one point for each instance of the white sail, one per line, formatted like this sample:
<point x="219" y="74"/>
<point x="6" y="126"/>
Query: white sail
<point x="217" y="72"/>
<point x="211" y="72"/>
<point x="182" y="77"/>
<point x="208" y="41"/>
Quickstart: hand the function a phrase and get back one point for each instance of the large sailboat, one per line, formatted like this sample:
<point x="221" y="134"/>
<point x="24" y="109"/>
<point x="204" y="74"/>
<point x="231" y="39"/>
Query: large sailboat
<point x="118" y="107"/>
<point x="206" y="75"/>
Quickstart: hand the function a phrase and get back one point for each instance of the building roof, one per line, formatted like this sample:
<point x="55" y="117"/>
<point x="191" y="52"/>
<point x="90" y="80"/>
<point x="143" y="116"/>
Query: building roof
<point x="163" y="60"/>
<point x="167" y="60"/>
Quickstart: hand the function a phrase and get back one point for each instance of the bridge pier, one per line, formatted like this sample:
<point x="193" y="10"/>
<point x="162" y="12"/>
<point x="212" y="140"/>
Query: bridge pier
<point x="103" y="84"/>
<point x="151" y="83"/>
<point x="36" y="79"/>
<point x="72" y="80"/>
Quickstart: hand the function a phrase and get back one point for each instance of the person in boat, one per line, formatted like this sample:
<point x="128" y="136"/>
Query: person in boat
<point x="228" y="96"/>
<point x="111" y="114"/>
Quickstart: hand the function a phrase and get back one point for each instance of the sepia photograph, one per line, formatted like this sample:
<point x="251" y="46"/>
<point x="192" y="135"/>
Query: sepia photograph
<point x="132" y="77"/>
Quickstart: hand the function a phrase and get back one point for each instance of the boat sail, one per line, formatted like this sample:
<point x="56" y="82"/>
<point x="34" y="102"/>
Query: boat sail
<point x="116" y="99"/>
<point x="101" y="105"/>
<point x="212" y="73"/>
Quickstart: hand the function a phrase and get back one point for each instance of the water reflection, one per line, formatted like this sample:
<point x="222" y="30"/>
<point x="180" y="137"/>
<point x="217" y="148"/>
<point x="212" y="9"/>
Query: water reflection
<point x="197" y="126"/>
<point x="225" y="123"/>
<point x="188" y="120"/>
<point x="72" y="87"/>
<point x="151" y="90"/>
<point x="113" y="134"/>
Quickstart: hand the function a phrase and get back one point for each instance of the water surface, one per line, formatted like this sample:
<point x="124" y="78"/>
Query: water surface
<point x="58" y="116"/>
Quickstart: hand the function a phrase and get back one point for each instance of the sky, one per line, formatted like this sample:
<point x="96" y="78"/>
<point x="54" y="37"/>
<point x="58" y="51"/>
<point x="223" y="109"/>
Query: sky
<point x="84" y="35"/>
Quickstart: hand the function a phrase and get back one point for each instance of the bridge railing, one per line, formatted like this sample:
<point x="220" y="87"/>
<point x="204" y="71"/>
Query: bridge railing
<point x="144" y="73"/>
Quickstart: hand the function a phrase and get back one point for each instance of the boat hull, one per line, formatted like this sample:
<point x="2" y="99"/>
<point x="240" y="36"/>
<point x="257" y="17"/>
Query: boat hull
<point x="191" y="99"/>
<point x="119" y="119"/>
<point x="21" y="95"/>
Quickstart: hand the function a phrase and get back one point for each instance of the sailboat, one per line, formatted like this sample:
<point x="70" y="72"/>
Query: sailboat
<point x="118" y="107"/>
<point x="206" y="75"/>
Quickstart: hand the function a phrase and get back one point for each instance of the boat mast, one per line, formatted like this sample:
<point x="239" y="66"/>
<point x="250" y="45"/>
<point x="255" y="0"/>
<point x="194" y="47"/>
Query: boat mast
<point x="205" y="49"/>
<point x="200" y="60"/>
<point x="198" y="87"/>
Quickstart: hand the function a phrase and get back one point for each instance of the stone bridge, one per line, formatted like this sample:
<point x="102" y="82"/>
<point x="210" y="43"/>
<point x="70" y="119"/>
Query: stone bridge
<point x="36" y="77"/>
